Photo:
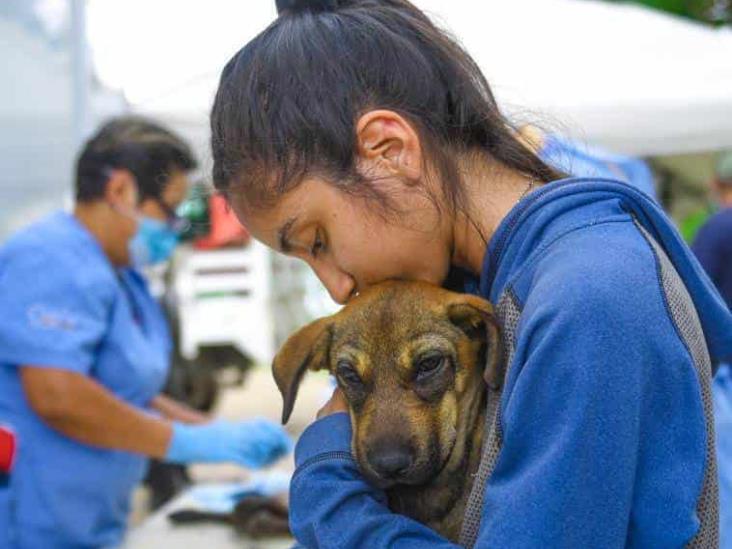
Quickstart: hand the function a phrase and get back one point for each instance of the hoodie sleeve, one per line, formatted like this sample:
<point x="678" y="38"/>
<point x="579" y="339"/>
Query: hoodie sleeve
<point x="333" y="507"/>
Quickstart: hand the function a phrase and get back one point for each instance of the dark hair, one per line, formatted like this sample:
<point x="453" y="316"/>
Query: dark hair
<point x="149" y="151"/>
<point x="288" y="102"/>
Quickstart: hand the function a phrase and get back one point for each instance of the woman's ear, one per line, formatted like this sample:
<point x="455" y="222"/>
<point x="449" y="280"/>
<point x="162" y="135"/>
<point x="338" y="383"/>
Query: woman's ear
<point x="388" y="143"/>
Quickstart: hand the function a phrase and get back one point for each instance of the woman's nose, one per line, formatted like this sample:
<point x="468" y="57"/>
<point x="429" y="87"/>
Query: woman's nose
<point x="340" y="285"/>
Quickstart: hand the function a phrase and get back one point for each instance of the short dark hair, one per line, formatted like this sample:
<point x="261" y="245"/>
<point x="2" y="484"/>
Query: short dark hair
<point x="288" y="101"/>
<point x="148" y="150"/>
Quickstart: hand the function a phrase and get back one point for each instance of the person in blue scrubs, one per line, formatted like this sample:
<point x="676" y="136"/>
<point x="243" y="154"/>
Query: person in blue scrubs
<point x="579" y="159"/>
<point x="85" y="350"/>
<point x="713" y="242"/>
<point x="363" y="140"/>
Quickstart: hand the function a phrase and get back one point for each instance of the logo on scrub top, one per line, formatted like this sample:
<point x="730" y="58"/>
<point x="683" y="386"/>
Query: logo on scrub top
<point x="40" y="316"/>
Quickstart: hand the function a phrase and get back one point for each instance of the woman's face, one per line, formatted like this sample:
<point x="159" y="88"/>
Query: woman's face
<point x="348" y="243"/>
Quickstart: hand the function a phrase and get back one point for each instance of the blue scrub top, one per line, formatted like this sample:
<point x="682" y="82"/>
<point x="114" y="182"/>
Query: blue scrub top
<point x="63" y="305"/>
<point x="579" y="160"/>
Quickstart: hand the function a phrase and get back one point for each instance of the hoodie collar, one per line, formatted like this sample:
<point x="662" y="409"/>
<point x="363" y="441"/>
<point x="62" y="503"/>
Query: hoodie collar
<point x="535" y="215"/>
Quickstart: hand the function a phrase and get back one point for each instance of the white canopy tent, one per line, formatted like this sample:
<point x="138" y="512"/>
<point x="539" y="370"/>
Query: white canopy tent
<point x="624" y="76"/>
<point x="629" y="78"/>
<point x="38" y="134"/>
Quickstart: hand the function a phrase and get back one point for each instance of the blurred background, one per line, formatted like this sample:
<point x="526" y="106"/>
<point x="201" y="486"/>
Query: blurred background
<point x="649" y="79"/>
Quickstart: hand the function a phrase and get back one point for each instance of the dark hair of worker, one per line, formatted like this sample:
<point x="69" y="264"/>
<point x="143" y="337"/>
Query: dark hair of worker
<point x="149" y="151"/>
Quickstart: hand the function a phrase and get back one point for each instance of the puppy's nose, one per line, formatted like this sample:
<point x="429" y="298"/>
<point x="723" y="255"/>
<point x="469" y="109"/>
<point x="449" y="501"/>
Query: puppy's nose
<point x="392" y="461"/>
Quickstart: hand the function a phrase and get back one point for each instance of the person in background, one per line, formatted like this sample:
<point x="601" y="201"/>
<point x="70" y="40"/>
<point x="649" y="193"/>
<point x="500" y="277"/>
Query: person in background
<point x="713" y="247"/>
<point x="581" y="160"/>
<point x="84" y="350"/>
<point x="713" y="243"/>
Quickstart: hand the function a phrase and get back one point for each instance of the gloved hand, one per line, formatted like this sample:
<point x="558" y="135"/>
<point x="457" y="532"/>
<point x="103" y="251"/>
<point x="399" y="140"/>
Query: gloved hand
<point x="254" y="443"/>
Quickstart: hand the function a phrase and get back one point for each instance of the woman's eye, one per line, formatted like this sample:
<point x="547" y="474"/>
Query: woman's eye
<point x="317" y="246"/>
<point x="428" y="367"/>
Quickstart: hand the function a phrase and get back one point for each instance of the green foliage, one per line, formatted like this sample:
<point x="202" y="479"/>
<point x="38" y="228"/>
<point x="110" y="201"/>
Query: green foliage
<point x="713" y="12"/>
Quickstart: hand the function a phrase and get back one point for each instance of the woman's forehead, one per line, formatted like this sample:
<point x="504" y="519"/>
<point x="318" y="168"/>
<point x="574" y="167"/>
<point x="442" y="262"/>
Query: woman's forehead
<point x="269" y="223"/>
<point x="257" y="221"/>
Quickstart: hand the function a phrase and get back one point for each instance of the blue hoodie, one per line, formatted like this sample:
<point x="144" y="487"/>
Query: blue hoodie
<point x="604" y="434"/>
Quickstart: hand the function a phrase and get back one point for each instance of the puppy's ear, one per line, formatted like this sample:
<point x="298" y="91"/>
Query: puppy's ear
<point x="475" y="317"/>
<point x="306" y="349"/>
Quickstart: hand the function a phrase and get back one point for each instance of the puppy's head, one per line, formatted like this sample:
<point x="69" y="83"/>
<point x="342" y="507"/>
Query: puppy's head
<point x="409" y="358"/>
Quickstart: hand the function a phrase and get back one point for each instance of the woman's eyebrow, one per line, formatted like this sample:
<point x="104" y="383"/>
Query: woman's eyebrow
<point x="283" y="235"/>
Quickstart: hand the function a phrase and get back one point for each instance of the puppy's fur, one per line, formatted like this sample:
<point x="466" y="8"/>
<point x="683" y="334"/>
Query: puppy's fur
<point x="413" y="361"/>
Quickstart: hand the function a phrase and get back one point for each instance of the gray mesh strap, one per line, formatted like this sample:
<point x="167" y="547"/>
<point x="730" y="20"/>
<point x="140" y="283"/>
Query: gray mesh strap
<point x="508" y="313"/>
<point x="686" y="319"/>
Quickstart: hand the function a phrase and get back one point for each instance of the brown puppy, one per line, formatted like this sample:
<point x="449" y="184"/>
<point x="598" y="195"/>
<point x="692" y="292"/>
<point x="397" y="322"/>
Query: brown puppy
<point x="411" y="359"/>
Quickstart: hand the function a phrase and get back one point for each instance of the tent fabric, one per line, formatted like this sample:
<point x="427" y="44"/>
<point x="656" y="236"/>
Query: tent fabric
<point x="625" y="77"/>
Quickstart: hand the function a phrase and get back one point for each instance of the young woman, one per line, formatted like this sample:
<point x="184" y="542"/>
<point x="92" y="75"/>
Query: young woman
<point x="358" y="137"/>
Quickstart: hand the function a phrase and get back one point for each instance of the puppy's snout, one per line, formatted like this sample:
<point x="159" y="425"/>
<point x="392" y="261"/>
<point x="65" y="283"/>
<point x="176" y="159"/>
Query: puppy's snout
<point x="390" y="460"/>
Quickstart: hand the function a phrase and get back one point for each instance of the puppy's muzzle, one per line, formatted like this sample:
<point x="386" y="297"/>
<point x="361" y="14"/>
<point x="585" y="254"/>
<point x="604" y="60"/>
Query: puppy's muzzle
<point x="390" y="460"/>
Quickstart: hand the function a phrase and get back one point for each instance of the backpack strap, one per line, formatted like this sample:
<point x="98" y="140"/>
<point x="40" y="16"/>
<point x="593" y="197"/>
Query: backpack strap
<point x="508" y="314"/>
<point x="684" y="315"/>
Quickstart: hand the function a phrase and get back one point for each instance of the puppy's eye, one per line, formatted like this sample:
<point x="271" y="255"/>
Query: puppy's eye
<point x="428" y="366"/>
<point x="347" y="373"/>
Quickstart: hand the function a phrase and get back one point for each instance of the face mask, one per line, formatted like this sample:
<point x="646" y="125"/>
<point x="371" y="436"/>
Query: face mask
<point x="154" y="242"/>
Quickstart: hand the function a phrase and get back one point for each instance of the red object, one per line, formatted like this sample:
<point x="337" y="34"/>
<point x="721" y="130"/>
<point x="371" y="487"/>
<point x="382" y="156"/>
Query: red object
<point x="225" y="227"/>
<point x="8" y="448"/>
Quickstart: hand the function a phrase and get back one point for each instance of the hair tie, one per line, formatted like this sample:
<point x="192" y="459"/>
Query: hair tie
<point x="296" y="6"/>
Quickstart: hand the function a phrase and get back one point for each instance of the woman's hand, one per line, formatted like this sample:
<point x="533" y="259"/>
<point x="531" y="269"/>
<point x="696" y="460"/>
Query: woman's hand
<point x="337" y="403"/>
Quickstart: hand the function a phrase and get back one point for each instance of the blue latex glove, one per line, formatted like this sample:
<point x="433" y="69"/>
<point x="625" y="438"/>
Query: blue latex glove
<point x="254" y="443"/>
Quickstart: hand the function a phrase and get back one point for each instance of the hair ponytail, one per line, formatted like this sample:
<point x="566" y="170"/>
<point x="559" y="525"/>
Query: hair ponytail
<point x="295" y="6"/>
<point x="288" y="102"/>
